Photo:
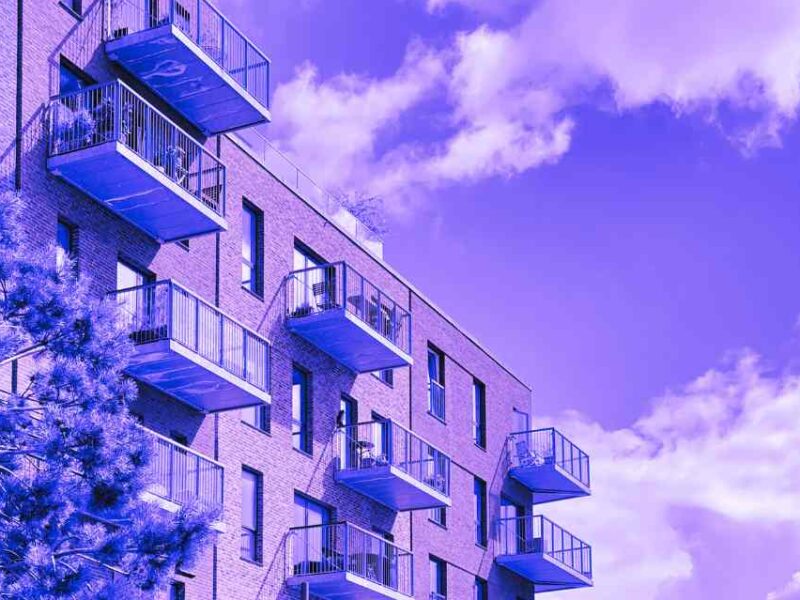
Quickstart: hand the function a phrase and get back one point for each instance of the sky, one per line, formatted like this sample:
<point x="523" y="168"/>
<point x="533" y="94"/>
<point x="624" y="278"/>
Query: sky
<point x="606" y="194"/>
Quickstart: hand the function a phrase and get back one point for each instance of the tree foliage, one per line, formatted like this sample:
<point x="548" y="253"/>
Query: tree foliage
<point x="73" y="461"/>
<point x="366" y="208"/>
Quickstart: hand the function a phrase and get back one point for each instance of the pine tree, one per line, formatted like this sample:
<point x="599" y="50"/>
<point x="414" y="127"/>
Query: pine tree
<point x="73" y="461"/>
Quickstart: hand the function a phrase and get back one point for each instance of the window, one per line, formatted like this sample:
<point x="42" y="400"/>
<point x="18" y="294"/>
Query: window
<point x="314" y="288"/>
<point x="301" y="411"/>
<point x="436" y="404"/>
<point x="438" y="515"/>
<point x="251" y="515"/>
<point x="259" y="417"/>
<point x="480" y="512"/>
<point x="314" y="542"/>
<point x="522" y="421"/>
<point x="438" y="579"/>
<point x="137" y="306"/>
<point x="177" y="591"/>
<point x="129" y="276"/>
<point x="71" y="78"/>
<point x="479" y="413"/>
<point x="481" y="589"/>
<point x="386" y="376"/>
<point x="65" y="243"/>
<point x="512" y="530"/>
<point x="252" y="249"/>
<point x="348" y="442"/>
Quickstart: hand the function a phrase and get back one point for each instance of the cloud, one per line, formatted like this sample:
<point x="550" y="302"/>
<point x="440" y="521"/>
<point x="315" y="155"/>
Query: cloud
<point x="791" y="591"/>
<point x="504" y="99"/>
<point x="704" y="447"/>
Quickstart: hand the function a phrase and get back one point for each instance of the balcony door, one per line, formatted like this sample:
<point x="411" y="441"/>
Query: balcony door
<point x="138" y="304"/>
<point x="348" y="438"/>
<point x="314" y="288"/>
<point x="513" y="529"/>
<point x="315" y="546"/>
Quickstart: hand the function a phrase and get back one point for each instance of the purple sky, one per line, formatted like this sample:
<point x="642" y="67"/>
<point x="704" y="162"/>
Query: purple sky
<point x="609" y="200"/>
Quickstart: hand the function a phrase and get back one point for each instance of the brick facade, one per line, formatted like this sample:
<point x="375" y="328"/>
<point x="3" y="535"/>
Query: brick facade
<point x="103" y="237"/>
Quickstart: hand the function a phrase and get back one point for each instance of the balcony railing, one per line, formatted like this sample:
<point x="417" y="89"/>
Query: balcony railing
<point x="166" y="311"/>
<point x="548" y="447"/>
<point x="374" y="444"/>
<point x="538" y="535"/>
<point x="112" y="112"/>
<point x="372" y="328"/>
<point x="208" y="28"/>
<point x="345" y="548"/>
<point x="182" y="475"/>
<point x="436" y="400"/>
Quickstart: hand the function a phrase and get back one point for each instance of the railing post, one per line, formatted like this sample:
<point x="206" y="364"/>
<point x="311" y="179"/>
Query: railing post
<point x="346" y="545"/>
<point x="200" y="175"/>
<point x="221" y="339"/>
<point x="196" y="324"/>
<point x="171" y="476"/>
<point x="197" y="39"/>
<point x="169" y="307"/>
<point x="344" y="285"/>
<point x="222" y="43"/>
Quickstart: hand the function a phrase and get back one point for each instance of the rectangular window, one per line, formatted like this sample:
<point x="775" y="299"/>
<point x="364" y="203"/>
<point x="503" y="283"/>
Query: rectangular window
<point x="316" y="542"/>
<point x="65" y="243"/>
<point x="177" y="591"/>
<point x="314" y="289"/>
<point x="481" y="589"/>
<point x="301" y="411"/>
<point x="481" y="527"/>
<point x="251" y="515"/>
<point x="438" y="572"/>
<point x="252" y="249"/>
<point x="259" y="417"/>
<point x="129" y="276"/>
<point x="438" y="515"/>
<point x="71" y="78"/>
<point x="479" y="413"/>
<point x="349" y="447"/>
<point x="436" y="398"/>
<point x="386" y="376"/>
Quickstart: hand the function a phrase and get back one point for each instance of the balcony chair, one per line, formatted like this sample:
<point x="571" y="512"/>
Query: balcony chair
<point x="527" y="457"/>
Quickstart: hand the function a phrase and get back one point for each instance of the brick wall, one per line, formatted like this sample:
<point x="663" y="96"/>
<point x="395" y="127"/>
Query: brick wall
<point x="104" y="237"/>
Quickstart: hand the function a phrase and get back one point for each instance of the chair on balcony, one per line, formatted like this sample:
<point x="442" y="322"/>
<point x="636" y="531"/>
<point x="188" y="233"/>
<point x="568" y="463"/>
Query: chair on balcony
<point x="324" y="295"/>
<point x="527" y="457"/>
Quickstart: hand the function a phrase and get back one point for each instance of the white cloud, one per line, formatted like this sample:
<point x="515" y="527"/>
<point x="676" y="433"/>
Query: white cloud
<point x="707" y="446"/>
<point x="505" y="98"/>
<point x="791" y="591"/>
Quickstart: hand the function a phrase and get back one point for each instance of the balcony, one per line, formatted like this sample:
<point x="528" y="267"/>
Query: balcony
<point x="388" y="463"/>
<point x="187" y="52"/>
<point x="110" y="143"/>
<point x="181" y="475"/>
<point x="549" y="465"/>
<point x="543" y="553"/>
<point x="346" y="316"/>
<point x="191" y="350"/>
<point x="340" y="560"/>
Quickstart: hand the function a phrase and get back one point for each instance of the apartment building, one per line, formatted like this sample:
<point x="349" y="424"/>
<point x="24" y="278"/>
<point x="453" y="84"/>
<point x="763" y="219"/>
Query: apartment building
<point x="360" y="443"/>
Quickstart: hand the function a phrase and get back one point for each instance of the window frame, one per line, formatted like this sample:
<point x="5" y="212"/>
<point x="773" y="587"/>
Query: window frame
<point x="255" y="263"/>
<point x="304" y="421"/>
<point x="481" y="512"/>
<point x="438" y="577"/>
<point x="438" y="357"/>
<point x="480" y="589"/>
<point x="432" y="516"/>
<point x="479" y="414"/>
<point x="71" y="252"/>
<point x="258" y="509"/>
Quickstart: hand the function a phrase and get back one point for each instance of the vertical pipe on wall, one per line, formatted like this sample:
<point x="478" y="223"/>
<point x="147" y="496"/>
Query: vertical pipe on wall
<point x="18" y="124"/>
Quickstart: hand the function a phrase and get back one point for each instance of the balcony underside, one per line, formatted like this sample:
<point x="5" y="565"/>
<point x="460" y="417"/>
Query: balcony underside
<point x="182" y="73"/>
<point x="350" y="341"/>
<point x="549" y="483"/>
<point x="137" y="191"/>
<point x="392" y="487"/>
<point x="544" y="571"/>
<point x="346" y="586"/>
<point x="186" y="376"/>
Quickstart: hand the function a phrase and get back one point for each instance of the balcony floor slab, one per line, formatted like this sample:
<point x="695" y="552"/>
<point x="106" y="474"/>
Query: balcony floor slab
<point x="167" y="61"/>
<point x="392" y="487"/>
<point x="188" y="377"/>
<point x="346" y="586"/>
<point x="544" y="571"/>
<point x="137" y="191"/>
<point x="350" y="341"/>
<point x="549" y="482"/>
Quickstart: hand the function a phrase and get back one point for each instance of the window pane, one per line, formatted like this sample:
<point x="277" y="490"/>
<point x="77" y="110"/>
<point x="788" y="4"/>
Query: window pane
<point x="249" y="500"/>
<point x="64" y="243"/>
<point x="300" y="426"/>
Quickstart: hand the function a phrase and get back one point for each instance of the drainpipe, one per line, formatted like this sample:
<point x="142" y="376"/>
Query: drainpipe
<point x="18" y="132"/>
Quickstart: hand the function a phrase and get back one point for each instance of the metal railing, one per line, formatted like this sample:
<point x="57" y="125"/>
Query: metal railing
<point x="342" y="547"/>
<point x="338" y="286"/>
<point x="114" y="112"/>
<point x="547" y="447"/>
<point x="385" y="443"/>
<point x="208" y="28"/>
<point x="166" y="311"/>
<point x="436" y="400"/>
<point x="182" y="475"/>
<point x="293" y="177"/>
<point x="539" y="535"/>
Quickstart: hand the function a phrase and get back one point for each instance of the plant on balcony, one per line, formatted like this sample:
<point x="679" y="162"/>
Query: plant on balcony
<point x="73" y="463"/>
<point x="72" y="128"/>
